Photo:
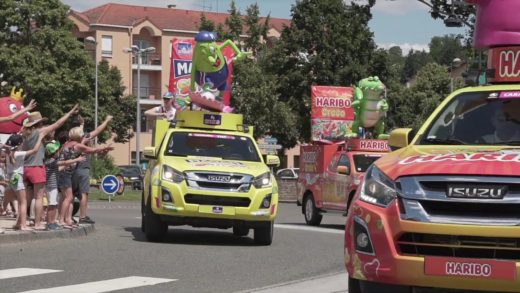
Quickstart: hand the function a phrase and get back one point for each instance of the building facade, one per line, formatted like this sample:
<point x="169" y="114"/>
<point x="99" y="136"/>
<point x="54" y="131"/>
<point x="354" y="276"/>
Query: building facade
<point x="116" y="27"/>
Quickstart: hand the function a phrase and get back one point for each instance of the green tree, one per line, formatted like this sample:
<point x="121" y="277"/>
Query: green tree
<point x="414" y="61"/>
<point x="446" y="48"/>
<point x="255" y="96"/>
<point x="412" y="106"/>
<point x="234" y="24"/>
<point x="206" y="24"/>
<point x="38" y="52"/>
<point x="255" y="30"/>
<point x="321" y="48"/>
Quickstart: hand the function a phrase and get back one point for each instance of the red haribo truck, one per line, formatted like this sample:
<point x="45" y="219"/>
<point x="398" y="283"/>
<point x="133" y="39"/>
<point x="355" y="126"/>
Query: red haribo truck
<point x="330" y="174"/>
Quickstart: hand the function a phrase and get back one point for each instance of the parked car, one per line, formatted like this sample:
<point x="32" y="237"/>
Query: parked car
<point x="288" y="173"/>
<point x="132" y="175"/>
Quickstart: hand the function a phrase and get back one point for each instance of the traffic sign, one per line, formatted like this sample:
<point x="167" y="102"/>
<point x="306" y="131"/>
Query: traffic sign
<point x="110" y="184"/>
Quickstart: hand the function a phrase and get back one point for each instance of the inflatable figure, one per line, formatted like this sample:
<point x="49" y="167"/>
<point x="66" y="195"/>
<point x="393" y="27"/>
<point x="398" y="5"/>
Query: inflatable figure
<point x="210" y="71"/>
<point x="12" y="114"/>
<point x="370" y="106"/>
<point x="498" y="23"/>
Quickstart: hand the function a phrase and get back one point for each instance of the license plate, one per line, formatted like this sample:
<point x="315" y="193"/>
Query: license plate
<point x="212" y="119"/>
<point x="470" y="268"/>
<point x="217" y="210"/>
<point x="476" y="191"/>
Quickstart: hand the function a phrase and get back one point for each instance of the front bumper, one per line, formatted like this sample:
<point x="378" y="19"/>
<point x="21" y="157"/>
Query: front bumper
<point x="388" y="263"/>
<point x="220" y="213"/>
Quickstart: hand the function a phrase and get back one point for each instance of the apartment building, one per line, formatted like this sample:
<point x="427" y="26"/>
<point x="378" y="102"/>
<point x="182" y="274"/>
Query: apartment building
<point x="118" y="26"/>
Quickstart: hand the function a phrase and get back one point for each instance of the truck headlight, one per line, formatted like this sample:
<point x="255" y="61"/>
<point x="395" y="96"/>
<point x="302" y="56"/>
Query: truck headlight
<point x="172" y="175"/>
<point x="377" y="188"/>
<point x="262" y="181"/>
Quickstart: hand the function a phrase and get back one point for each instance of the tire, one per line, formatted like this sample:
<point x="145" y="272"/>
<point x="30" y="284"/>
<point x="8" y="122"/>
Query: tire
<point x="240" y="231"/>
<point x="310" y="212"/>
<point x="155" y="229"/>
<point x="372" y="287"/>
<point x="142" y="213"/>
<point x="353" y="285"/>
<point x="264" y="233"/>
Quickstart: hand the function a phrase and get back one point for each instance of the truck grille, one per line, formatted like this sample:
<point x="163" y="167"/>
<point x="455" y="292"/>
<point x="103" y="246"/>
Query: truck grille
<point x="217" y="200"/>
<point x="419" y="244"/>
<point x="219" y="181"/>
<point x="426" y="199"/>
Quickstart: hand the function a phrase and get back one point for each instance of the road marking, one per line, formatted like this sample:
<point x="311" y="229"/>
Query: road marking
<point x="23" y="272"/>
<point x="105" y="286"/>
<point x="334" y="283"/>
<point x="307" y="228"/>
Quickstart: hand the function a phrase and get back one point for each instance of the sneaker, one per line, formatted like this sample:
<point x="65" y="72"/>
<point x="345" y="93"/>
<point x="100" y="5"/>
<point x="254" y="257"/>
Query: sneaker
<point x="53" y="227"/>
<point x="86" y="220"/>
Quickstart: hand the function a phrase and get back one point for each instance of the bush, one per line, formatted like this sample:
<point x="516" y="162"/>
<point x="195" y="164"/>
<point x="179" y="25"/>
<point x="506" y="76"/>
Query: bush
<point x="102" y="165"/>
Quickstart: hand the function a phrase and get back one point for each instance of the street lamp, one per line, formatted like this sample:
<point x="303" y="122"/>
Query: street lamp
<point x="92" y="40"/>
<point x="455" y="62"/>
<point x="138" y="53"/>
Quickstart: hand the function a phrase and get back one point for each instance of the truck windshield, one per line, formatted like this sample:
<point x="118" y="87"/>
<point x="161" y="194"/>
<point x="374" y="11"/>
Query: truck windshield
<point x="362" y="162"/>
<point x="480" y="118"/>
<point x="226" y="147"/>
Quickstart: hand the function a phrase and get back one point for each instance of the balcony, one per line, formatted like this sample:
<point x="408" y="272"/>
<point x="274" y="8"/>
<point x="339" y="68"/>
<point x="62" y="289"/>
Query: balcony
<point x="148" y="92"/>
<point x="151" y="62"/>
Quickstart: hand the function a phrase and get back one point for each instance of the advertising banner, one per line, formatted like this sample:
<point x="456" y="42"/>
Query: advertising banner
<point x="181" y="64"/>
<point x="506" y="63"/>
<point x="332" y="113"/>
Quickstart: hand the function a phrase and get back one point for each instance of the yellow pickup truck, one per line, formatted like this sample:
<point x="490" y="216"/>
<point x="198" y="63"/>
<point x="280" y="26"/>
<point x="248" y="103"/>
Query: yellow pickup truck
<point x="206" y="170"/>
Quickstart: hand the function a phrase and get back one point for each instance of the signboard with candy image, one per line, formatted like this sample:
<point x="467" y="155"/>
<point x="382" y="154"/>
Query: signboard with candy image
<point x="332" y="115"/>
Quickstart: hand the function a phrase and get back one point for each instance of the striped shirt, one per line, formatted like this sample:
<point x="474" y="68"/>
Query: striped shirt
<point x="51" y="169"/>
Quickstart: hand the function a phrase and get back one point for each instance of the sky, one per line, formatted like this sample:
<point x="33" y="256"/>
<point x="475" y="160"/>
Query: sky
<point x="405" y="23"/>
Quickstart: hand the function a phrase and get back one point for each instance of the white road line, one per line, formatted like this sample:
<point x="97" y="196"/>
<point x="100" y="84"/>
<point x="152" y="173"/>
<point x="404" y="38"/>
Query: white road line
<point x="326" y="284"/>
<point x="307" y="228"/>
<point x="105" y="286"/>
<point x="23" y="272"/>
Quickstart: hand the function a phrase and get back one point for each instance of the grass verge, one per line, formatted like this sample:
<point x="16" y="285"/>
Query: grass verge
<point x="128" y="195"/>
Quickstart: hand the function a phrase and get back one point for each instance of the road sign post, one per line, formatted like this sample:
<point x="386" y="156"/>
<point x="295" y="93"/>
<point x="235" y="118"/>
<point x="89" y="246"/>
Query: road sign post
<point x="110" y="185"/>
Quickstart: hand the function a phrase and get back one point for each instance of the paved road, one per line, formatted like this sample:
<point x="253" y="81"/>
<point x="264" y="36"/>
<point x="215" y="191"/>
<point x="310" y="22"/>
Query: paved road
<point x="117" y="257"/>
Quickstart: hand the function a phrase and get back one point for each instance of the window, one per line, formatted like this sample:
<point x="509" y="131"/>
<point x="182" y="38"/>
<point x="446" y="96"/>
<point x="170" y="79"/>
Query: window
<point x="296" y="161"/>
<point x="106" y="46"/>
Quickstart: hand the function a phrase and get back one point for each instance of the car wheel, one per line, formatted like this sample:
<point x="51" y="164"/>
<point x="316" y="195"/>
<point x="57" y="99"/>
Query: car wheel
<point x="264" y="233"/>
<point x="311" y="213"/>
<point x="353" y="285"/>
<point x="155" y="229"/>
<point x="373" y="287"/>
<point x="240" y="231"/>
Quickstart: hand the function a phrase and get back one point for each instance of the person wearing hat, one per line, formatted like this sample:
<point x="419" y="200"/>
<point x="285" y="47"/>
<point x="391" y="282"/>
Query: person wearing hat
<point x="15" y="172"/>
<point x="34" y="167"/>
<point x="166" y="110"/>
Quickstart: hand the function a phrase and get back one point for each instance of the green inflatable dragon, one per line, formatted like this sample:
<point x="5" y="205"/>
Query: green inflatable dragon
<point x="370" y="107"/>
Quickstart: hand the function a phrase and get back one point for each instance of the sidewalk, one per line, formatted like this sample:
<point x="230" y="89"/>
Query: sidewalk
<point x="9" y="235"/>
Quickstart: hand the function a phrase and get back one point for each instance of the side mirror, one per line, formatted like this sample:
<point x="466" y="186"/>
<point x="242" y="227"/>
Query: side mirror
<point x="399" y="138"/>
<point x="343" y="170"/>
<point x="149" y="152"/>
<point x="272" y="161"/>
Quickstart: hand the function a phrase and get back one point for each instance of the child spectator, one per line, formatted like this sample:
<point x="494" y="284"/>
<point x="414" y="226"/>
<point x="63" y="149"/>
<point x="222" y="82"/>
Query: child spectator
<point x="52" y="166"/>
<point x="15" y="171"/>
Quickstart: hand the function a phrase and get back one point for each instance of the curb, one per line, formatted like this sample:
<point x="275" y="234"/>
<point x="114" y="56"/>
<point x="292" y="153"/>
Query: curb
<point x="17" y="237"/>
